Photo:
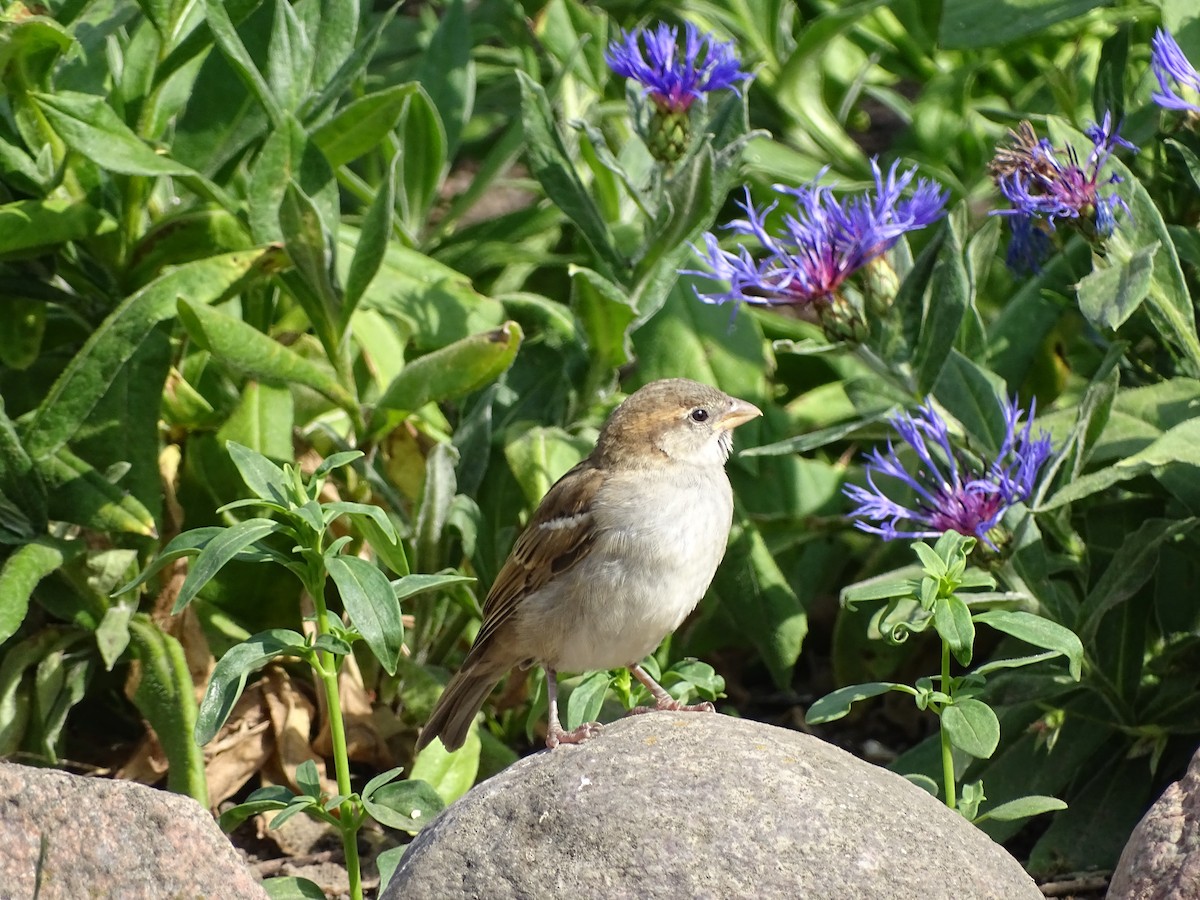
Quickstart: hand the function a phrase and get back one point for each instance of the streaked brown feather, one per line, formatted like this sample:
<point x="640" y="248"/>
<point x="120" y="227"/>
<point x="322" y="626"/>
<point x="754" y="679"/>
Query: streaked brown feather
<point x="559" y="535"/>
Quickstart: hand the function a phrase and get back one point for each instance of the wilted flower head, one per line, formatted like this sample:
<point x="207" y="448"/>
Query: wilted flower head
<point x="820" y="244"/>
<point x="1174" y="73"/>
<point x="952" y="492"/>
<point x="1046" y="185"/>
<point x="675" y="80"/>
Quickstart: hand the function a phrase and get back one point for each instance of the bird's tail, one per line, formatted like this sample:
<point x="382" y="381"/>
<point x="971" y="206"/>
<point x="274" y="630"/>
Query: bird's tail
<point x="455" y="710"/>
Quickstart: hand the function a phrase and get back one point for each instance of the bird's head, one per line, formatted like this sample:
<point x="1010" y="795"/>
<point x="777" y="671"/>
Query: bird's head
<point x="674" y="419"/>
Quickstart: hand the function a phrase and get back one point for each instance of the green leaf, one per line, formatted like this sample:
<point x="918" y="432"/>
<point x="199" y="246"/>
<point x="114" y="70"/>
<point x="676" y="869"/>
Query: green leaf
<point x="371" y="248"/>
<point x="293" y="887"/>
<point x="975" y="397"/>
<point x="447" y="74"/>
<point x="229" y="677"/>
<point x="391" y="552"/>
<point x="112" y="634"/>
<point x="1039" y="631"/>
<point x="23" y="510"/>
<point x="1169" y="302"/>
<point x="372" y="606"/>
<point x="451" y="372"/>
<point x="551" y="165"/>
<point x="411" y="585"/>
<point x="586" y="699"/>
<point x="690" y="339"/>
<point x="387" y="862"/>
<point x="541" y="456"/>
<point x="1178" y="446"/>
<point x="266" y="799"/>
<point x="262" y="420"/>
<point x="88" y="125"/>
<point x="1134" y="563"/>
<point x="972" y="727"/>
<point x="247" y="350"/>
<point x="77" y="493"/>
<point x="692" y="201"/>
<point x="358" y="511"/>
<point x="226" y="37"/>
<point x="262" y="476"/>
<point x="1023" y="808"/>
<point x="289" y="58"/>
<point x="166" y="698"/>
<point x="969" y="24"/>
<point x="450" y="774"/>
<point x="837" y="704"/>
<point x="1109" y="296"/>
<point x="769" y="615"/>
<point x="308" y="239"/>
<point x="407" y="805"/>
<point x="422" y="159"/>
<point x="19" y="575"/>
<point x="31" y="227"/>
<point x="110" y="347"/>
<point x="307" y="777"/>
<point x="380" y="780"/>
<point x="947" y="304"/>
<point x="882" y="587"/>
<point x="217" y="552"/>
<point x="952" y="619"/>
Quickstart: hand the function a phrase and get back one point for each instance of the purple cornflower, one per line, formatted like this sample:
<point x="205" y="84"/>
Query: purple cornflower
<point x="952" y="492"/>
<point x="1173" y="72"/>
<point x="1046" y="185"/>
<point x="821" y="244"/>
<point x="675" y="81"/>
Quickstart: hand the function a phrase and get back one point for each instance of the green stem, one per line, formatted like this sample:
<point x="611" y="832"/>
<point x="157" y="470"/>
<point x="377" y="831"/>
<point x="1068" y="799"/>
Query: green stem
<point x="947" y="751"/>
<point x="348" y="810"/>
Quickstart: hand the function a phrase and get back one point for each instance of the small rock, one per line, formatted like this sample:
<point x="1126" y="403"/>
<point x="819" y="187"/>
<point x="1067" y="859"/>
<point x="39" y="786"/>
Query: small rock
<point x="1162" y="859"/>
<point x="691" y="805"/>
<point x="64" y="837"/>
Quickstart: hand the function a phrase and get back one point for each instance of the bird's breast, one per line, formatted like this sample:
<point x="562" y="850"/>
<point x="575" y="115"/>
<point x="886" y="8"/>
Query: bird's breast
<point x="659" y="540"/>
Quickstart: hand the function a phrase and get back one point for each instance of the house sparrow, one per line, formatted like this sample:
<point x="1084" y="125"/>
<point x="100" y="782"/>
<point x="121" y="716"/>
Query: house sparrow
<point x="617" y="554"/>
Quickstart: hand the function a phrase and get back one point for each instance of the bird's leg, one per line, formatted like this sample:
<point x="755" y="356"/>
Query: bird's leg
<point x="555" y="734"/>
<point x="663" y="700"/>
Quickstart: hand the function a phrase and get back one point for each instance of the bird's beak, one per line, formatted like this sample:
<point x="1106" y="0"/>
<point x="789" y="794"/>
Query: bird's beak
<point x="738" y="413"/>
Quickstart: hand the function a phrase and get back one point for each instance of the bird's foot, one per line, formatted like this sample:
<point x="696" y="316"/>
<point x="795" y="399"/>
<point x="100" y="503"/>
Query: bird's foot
<point x="557" y="735"/>
<point x="672" y="705"/>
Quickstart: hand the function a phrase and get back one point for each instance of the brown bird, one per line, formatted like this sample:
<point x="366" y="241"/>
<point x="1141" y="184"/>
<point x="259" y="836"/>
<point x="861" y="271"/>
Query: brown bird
<point x="617" y="554"/>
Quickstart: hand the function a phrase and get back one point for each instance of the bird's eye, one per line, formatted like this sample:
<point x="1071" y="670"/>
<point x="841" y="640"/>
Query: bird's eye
<point x="699" y="415"/>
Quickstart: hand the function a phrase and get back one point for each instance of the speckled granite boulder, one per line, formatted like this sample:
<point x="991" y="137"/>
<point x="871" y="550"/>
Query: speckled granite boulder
<point x="690" y="805"/>
<point x="63" y="837"/>
<point x="1162" y="859"/>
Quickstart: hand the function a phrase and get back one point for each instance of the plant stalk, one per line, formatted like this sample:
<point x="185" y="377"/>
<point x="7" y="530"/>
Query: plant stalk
<point x="947" y="750"/>
<point x="347" y="811"/>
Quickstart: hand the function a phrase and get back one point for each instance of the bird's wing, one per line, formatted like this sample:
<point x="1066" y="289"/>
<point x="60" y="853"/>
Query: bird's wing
<point x="560" y="534"/>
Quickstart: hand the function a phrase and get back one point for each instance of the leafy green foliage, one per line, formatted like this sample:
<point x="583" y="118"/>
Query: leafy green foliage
<point x="242" y="243"/>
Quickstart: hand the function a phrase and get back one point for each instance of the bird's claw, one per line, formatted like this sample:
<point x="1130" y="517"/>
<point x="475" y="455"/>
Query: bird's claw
<point x="558" y="735"/>
<point x="673" y="706"/>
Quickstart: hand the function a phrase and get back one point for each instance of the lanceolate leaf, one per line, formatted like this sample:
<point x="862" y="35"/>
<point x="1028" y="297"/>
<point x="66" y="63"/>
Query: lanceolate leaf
<point x="220" y="550"/>
<point x="255" y="354"/>
<point x="464" y="366"/>
<point x="109" y="348"/>
<point x="229" y="677"/>
<point x="371" y="605"/>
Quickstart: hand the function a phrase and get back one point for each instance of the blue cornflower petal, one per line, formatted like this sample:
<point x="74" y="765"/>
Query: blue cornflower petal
<point x="819" y="242"/>
<point x="951" y="491"/>
<point x="1173" y="72"/>
<point x="1046" y="186"/>
<point x="672" y="79"/>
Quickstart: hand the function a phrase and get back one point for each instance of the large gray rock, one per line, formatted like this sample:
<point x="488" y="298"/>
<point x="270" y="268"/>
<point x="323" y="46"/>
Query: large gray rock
<point x="63" y="837"/>
<point x="1162" y="859"/>
<point x="691" y="805"/>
